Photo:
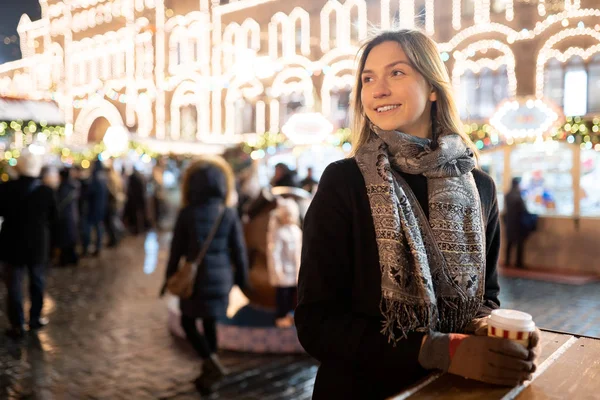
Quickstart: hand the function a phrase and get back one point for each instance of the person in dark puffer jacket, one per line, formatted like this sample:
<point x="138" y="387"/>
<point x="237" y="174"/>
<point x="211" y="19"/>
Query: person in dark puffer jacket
<point x="207" y="188"/>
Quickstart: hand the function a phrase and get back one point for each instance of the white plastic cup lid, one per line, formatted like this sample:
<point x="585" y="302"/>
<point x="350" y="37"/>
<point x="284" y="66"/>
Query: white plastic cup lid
<point x="518" y="320"/>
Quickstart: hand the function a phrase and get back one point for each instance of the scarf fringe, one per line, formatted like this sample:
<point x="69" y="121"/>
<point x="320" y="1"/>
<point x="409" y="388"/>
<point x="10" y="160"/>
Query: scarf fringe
<point x="401" y="318"/>
<point x="451" y="315"/>
<point x="456" y="313"/>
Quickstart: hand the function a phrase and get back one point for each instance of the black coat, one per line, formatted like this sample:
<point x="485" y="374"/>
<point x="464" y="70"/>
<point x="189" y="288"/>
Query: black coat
<point x="225" y="263"/>
<point x="68" y="214"/>
<point x="29" y="217"/>
<point x="513" y="216"/>
<point x="97" y="195"/>
<point x="83" y="203"/>
<point x="136" y="199"/>
<point x="339" y="289"/>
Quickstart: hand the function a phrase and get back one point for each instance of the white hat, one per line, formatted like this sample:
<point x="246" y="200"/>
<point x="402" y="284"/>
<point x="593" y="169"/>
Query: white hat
<point x="287" y="210"/>
<point x="30" y="164"/>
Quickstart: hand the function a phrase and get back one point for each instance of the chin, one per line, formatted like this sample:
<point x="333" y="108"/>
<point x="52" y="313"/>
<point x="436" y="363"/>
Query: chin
<point x="388" y="125"/>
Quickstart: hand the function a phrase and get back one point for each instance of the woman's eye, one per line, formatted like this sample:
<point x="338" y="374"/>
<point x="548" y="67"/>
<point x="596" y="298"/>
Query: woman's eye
<point x="367" y="79"/>
<point x="397" y="73"/>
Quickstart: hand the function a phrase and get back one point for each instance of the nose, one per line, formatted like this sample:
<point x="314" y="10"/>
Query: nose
<point x="381" y="89"/>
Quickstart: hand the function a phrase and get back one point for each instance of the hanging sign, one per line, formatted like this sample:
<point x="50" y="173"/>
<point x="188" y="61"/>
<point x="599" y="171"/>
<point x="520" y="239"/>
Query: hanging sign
<point x="526" y="118"/>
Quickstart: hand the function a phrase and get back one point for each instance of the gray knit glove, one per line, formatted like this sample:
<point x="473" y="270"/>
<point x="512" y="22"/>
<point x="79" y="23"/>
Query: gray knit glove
<point x="483" y="358"/>
<point x="479" y="327"/>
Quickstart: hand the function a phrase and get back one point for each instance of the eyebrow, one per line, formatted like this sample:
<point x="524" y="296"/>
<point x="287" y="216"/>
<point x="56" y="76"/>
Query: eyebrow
<point x="368" y="71"/>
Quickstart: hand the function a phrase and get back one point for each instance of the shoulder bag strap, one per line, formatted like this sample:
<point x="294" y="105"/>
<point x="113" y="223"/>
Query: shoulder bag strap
<point x="211" y="235"/>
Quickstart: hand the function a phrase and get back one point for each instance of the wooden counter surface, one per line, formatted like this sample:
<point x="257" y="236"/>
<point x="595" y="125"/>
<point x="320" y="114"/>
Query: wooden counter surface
<point x="569" y="368"/>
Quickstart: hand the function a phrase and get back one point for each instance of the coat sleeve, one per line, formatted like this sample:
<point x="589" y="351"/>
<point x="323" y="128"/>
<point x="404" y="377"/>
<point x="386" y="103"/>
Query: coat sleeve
<point x="328" y="327"/>
<point x="3" y="199"/>
<point x="273" y="252"/>
<point x="179" y="244"/>
<point x="492" y="244"/>
<point x="298" y="250"/>
<point x="239" y="254"/>
<point x="53" y="214"/>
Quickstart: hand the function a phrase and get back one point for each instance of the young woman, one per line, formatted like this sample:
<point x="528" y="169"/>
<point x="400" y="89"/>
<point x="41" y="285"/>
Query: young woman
<point x="401" y="241"/>
<point x="207" y="191"/>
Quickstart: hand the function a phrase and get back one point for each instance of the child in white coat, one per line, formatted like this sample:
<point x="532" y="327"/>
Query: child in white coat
<point x="283" y="261"/>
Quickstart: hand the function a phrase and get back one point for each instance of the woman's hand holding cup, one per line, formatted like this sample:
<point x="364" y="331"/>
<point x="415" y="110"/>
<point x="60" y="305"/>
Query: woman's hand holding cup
<point x="516" y="326"/>
<point x="482" y="358"/>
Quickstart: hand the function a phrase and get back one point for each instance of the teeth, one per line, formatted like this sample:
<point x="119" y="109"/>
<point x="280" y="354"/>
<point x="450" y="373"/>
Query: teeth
<point x="386" y="108"/>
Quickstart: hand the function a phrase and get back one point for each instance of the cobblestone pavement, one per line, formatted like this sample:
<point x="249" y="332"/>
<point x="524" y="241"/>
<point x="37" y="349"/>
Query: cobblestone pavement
<point x="561" y="307"/>
<point x="108" y="339"/>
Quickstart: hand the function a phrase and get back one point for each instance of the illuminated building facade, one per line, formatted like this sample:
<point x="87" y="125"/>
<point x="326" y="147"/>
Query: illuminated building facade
<point x="202" y="71"/>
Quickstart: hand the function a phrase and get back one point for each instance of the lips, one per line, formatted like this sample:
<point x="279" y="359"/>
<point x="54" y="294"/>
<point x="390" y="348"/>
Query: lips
<point x="386" y="108"/>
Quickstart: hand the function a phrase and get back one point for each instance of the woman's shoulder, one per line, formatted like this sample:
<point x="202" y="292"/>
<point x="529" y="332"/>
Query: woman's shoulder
<point x="485" y="183"/>
<point x="343" y="171"/>
<point x="486" y="188"/>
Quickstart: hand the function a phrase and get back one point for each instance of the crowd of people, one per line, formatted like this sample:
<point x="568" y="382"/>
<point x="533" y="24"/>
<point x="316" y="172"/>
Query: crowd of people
<point x="55" y="217"/>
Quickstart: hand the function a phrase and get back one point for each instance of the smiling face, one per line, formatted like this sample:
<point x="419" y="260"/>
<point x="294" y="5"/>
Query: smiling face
<point x="394" y="95"/>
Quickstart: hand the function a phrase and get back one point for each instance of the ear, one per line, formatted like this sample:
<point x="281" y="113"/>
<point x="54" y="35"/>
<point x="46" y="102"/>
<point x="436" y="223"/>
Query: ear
<point x="433" y="95"/>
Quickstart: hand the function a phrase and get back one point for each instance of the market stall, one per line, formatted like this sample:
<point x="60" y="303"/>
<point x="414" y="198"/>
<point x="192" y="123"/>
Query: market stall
<point x="558" y="161"/>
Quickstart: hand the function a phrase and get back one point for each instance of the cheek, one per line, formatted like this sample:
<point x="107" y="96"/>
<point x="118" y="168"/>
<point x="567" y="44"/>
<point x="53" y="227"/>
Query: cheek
<point x="416" y="97"/>
<point x="365" y="99"/>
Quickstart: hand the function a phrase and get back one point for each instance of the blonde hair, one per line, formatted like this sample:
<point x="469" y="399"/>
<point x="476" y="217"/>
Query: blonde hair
<point x="204" y="161"/>
<point x="424" y="57"/>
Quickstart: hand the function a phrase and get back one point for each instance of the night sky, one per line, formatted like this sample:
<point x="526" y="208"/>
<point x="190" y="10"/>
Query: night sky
<point x="10" y="13"/>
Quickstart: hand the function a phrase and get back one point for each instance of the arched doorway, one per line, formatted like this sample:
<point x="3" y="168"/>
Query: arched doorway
<point x="98" y="130"/>
<point x="93" y="121"/>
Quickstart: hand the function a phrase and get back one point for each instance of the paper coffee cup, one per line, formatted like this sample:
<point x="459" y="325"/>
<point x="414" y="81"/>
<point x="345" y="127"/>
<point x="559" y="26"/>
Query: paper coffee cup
<point x="511" y="324"/>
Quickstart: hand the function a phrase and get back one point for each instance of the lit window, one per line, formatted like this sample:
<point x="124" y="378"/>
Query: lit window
<point x="594" y="84"/>
<point x="575" y="92"/>
<point x="289" y="105"/>
<point x="468" y="7"/>
<point x="189" y="122"/>
<point x="499" y="6"/>
<point x="340" y="108"/>
<point x="480" y="94"/>
<point x="245" y="117"/>
<point x="487" y="102"/>
<point x="553" y="82"/>
<point x="468" y="93"/>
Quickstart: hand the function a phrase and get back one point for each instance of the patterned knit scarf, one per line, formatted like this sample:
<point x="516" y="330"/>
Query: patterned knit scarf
<point x="432" y="272"/>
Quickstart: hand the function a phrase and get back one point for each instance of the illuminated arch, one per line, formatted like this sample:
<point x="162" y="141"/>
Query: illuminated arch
<point x="361" y="10"/>
<point x="293" y="79"/>
<point x="145" y="117"/>
<point x="198" y="33"/>
<point x="228" y="43"/>
<point x="467" y="33"/>
<point x="279" y="32"/>
<point x="248" y="33"/>
<point x="183" y="20"/>
<point x="190" y="93"/>
<point x="464" y="63"/>
<point x="336" y="78"/>
<point x="177" y="39"/>
<point x="57" y="54"/>
<point x="95" y="109"/>
<point x="547" y="52"/>
<point x="330" y="7"/>
<point x="246" y="90"/>
<point x="299" y="14"/>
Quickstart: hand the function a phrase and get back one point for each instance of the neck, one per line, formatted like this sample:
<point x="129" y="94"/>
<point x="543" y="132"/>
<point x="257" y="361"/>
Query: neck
<point x="420" y="130"/>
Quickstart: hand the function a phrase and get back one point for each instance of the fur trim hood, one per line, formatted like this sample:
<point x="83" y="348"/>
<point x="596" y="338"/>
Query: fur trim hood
<point x="208" y="177"/>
